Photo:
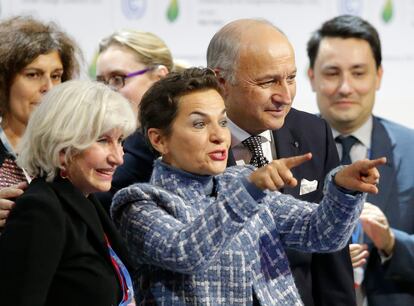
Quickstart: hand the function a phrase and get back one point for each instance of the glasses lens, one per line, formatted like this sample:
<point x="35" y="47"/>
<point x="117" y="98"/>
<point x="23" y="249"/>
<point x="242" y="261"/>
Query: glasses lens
<point x="100" y="79"/>
<point x="116" y="82"/>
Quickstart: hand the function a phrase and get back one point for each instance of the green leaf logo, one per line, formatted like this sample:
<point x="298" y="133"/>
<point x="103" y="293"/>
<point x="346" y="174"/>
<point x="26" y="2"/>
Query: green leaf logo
<point x="172" y="12"/>
<point x="388" y="11"/>
<point x="92" y="66"/>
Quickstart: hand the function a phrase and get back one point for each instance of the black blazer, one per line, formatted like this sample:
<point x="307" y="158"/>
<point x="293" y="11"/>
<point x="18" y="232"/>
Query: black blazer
<point x="53" y="252"/>
<point x="322" y="279"/>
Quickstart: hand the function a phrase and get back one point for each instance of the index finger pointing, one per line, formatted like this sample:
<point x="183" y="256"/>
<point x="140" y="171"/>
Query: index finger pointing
<point x="374" y="163"/>
<point x="295" y="161"/>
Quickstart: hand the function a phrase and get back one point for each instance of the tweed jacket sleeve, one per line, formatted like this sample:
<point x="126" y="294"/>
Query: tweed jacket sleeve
<point x="164" y="229"/>
<point x="311" y="227"/>
<point x="168" y="230"/>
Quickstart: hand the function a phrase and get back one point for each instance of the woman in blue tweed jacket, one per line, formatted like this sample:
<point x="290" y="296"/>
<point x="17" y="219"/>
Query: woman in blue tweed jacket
<point x="201" y="234"/>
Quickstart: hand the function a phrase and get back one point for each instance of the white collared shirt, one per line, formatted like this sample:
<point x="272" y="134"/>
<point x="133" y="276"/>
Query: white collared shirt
<point x="241" y="154"/>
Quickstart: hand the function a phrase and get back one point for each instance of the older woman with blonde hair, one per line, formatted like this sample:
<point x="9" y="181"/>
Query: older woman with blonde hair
<point x="130" y="61"/>
<point x="58" y="246"/>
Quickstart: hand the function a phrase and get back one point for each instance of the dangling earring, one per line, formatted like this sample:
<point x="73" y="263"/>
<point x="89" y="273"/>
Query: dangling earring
<point x="63" y="174"/>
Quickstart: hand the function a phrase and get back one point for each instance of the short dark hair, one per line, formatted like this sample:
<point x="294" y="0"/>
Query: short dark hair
<point x="22" y="40"/>
<point x="159" y="105"/>
<point x="345" y="26"/>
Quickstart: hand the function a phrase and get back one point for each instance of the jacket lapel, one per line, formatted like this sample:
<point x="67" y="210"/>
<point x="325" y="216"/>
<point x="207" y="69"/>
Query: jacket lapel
<point x="286" y="146"/>
<point x="113" y="235"/>
<point x="84" y="208"/>
<point x="381" y="145"/>
<point x="230" y="159"/>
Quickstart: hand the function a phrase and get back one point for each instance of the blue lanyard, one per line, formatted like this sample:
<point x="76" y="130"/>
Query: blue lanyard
<point x="356" y="234"/>
<point x="123" y="276"/>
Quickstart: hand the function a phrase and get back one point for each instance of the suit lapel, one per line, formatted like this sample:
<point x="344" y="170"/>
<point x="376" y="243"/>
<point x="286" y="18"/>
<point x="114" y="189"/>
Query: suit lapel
<point x="231" y="161"/>
<point x="381" y="146"/>
<point x="84" y="208"/>
<point x="286" y="146"/>
<point x="113" y="235"/>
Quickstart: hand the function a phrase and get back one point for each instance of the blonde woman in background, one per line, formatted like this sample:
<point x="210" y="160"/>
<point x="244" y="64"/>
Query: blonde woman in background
<point x="130" y="61"/>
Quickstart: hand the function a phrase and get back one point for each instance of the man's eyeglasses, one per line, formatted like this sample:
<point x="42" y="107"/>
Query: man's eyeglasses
<point x="117" y="81"/>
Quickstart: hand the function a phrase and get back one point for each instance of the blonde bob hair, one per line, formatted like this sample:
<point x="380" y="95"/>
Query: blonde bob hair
<point x="70" y="118"/>
<point x="148" y="48"/>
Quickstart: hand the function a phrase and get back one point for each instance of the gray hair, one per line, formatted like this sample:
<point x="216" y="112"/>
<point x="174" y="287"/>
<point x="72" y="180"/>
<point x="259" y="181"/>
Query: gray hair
<point x="224" y="48"/>
<point x="70" y="118"/>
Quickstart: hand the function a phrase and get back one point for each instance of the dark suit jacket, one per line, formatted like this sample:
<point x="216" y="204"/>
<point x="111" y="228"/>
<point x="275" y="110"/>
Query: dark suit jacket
<point x="322" y="279"/>
<point x="392" y="283"/>
<point x="53" y="252"/>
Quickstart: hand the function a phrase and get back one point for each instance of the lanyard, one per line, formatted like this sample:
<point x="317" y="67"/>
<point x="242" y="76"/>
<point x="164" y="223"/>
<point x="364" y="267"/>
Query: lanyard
<point x="123" y="276"/>
<point x="357" y="233"/>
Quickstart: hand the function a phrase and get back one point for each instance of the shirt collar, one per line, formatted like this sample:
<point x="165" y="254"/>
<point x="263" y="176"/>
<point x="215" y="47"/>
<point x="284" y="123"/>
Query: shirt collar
<point x="163" y="174"/>
<point x="6" y="142"/>
<point x="363" y="133"/>
<point x="238" y="134"/>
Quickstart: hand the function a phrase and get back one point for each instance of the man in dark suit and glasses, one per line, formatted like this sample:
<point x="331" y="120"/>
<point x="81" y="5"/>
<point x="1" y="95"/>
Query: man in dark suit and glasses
<point x="255" y="64"/>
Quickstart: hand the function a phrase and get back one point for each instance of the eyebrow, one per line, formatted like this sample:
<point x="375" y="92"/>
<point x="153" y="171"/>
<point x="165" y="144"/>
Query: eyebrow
<point x="204" y="114"/>
<point x="276" y="76"/>
<point x="113" y="72"/>
<point x="41" y="70"/>
<point x="361" y="65"/>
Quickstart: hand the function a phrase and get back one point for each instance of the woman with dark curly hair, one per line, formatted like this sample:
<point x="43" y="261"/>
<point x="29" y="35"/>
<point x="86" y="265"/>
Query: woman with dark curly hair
<point x="34" y="57"/>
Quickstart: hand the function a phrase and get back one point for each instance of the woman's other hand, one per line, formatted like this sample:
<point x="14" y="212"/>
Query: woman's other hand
<point x="361" y="175"/>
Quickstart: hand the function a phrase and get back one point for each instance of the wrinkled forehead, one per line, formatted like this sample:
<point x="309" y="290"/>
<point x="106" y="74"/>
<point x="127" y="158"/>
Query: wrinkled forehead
<point x="274" y="55"/>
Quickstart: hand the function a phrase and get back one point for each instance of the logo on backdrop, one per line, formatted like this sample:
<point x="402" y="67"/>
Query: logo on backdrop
<point x="172" y="11"/>
<point x="388" y="11"/>
<point x="134" y="9"/>
<point x="350" y="7"/>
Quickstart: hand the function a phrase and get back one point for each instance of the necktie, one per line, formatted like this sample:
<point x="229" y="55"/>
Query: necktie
<point x="346" y="143"/>
<point x="254" y="144"/>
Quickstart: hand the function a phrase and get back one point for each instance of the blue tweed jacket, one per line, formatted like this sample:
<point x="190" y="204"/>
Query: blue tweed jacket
<point x="200" y="240"/>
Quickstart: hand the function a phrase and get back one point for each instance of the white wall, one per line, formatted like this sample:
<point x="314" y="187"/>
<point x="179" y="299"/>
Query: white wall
<point x="197" y="20"/>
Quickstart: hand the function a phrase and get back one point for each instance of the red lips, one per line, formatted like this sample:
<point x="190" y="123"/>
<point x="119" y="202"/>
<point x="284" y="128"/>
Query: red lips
<point x="218" y="155"/>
